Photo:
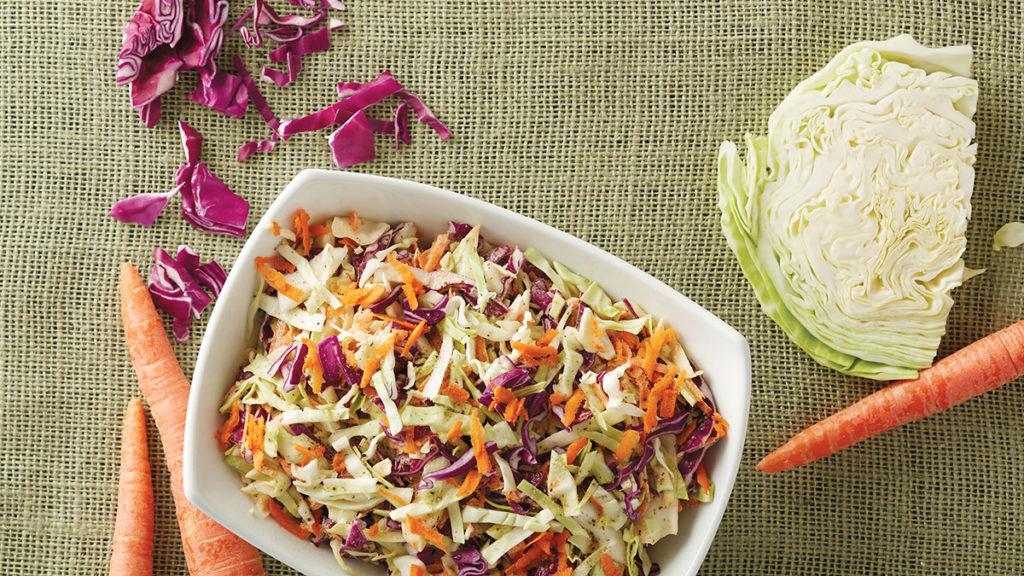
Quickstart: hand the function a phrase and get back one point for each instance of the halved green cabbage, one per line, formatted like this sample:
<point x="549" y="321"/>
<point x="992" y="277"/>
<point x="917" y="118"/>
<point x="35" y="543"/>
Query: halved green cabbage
<point x="849" y="217"/>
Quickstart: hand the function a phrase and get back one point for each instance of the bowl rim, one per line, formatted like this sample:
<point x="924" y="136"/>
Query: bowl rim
<point x="730" y="456"/>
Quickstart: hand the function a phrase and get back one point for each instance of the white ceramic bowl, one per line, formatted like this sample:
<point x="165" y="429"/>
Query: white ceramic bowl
<point x="212" y="486"/>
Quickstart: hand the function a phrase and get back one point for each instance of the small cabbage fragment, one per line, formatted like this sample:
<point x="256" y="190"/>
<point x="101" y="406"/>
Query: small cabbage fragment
<point x="222" y="92"/>
<point x="142" y="208"/>
<point x="1011" y="235"/>
<point x="154" y="23"/>
<point x="849" y="217"/>
<point x="352" y="143"/>
<point x="176" y="285"/>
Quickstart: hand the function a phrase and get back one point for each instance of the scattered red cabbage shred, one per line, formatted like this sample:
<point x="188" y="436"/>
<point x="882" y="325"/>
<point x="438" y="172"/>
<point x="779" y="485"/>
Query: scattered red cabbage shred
<point x="154" y="23"/>
<point x="222" y="92"/>
<point x="208" y="204"/>
<point x="353" y="143"/>
<point x="178" y="290"/>
<point x="142" y="208"/>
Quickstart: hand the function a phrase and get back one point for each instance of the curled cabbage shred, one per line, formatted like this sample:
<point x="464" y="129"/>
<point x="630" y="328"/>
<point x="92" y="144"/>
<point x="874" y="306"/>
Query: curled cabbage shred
<point x="849" y="217"/>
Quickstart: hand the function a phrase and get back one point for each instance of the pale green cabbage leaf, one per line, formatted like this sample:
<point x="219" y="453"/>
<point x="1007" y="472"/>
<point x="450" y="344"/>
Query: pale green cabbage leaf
<point x="849" y="217"/>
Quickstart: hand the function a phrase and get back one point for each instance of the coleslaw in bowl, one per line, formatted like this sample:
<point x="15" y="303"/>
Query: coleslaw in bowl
<point x="462" y="420"/>
<point x="461" y="406"/>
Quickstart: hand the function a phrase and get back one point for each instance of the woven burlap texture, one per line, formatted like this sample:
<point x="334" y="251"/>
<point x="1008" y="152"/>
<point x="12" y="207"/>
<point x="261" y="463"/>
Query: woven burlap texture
<point x="602" y="118"/>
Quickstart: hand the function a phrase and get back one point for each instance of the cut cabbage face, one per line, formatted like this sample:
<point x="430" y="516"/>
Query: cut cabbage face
<point x="849" y="217"/>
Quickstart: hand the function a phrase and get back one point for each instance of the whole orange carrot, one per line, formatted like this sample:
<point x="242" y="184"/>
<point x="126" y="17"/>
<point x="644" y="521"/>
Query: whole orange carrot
<point x="210" y="550"/>
<point x="982" y="366"/>
<point x="132" y="553"/>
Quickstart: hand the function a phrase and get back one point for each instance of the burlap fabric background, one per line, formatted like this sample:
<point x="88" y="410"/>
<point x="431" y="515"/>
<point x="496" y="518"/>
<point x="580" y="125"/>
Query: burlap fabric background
<point x="600" y="118"/>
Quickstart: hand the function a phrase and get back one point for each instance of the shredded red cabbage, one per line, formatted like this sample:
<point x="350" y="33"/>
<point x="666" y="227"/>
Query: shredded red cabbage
<point x="352" y="143"/>
<point x="203" y="33"/>
<point x="356" y="539"/>
<point x="425" y="114"/>
<point x="470" y="562"/>
<point x="458" y="230"/>
<point x="176" y="290"/>
<point x="401" y="125"/>
<point x="221" y="92"/>
<point x="329" y="352"/>
<point x="154" y="23"/>
<point x="149" y="113"/>
<point x="365" y="96"/>
<point x="142" y="208"/>
<point x="209" y="205"/>
<point x="291" y="53"/>
<point x="460" y="466"/>
<point x="431" y="315"/>
<point x="191" y="142"/>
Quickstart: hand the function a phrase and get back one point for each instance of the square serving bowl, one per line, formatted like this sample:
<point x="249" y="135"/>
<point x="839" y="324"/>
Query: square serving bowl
<point x="715" y="347"/>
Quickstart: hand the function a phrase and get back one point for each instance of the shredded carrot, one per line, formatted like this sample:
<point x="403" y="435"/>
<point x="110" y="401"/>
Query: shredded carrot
<point x="410" y="285"/>
<point x="417" y="570"/>
<point x="702" y="477"/>
<point x="372" y="295"/>
<point x="687" y="431"/>
<point x="285" y="520"/>
<point x="609" y="566"/>
<point x="563" y="560"/>
<point x="436" y="252"/>
<point x="418" y="331"/>
<point x="417" y="527"/>
<point x="391" y="496"/>
<point x="502" y="395"/>
<point x="481" y="348"/>
<point x="534" y="553"/>
<point x="511" y="410"/>
<point x="373" y="530"/>
<point x="353" y="221"/>
<point x="720" y="425"/>
<point x="308" y="455"/>
<point x="655" y="343"/>
<point x="670" y="397"/>
<point x="275" y="262"/>
<point x="253" y="434"/>
<point x="410" y="446"/>
<point x="470" y="484"/>
<point x="376" y="358"/>
<point x="276" y="281"/>
<point x="319" y="230"/>
<point x="301" y="226"/>
<point x="655" y="396"/>
<point x="574" y="449"/>
<point x="455" y="431"/>
<point x="402" y="323"/>
<point x="650" y="419"/>
<point x="455" y="392"/>
<point x="630" y="438"/>
<point x="572" y="408"/>
<point x="338" y="463"/>
<point x="548" y="337"/>
<point x="622" y="353"/>
<point x="275" y="228"/>
<point x="479" y="442"/>
<point x="556" y="399"/>
<point x="312" y="366"/>
<point x="527" y="349"/>
<point x="521" y="411"/>
<point x="224" y="435"/>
